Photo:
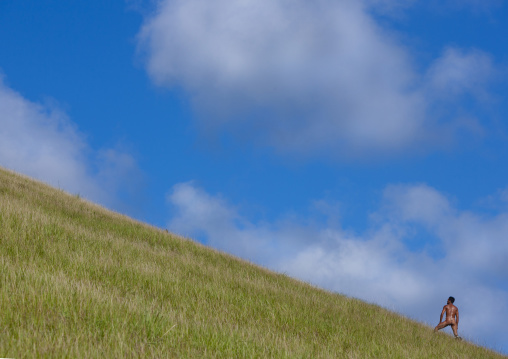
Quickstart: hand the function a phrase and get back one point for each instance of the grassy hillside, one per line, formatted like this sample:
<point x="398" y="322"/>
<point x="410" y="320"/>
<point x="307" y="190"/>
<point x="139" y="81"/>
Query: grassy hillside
<point x="77" y="280"/>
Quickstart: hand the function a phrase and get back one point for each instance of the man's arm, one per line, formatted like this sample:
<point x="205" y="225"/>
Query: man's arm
<point x="442" y="313"/>
<point x="457" y="315"/>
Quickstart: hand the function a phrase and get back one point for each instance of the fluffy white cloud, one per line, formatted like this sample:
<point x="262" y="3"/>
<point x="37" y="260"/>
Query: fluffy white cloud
<point x="301" y="76"/>
<point x="389" y="7"/>
<point x="41" y="142"/>
<point x="394" y="263"/>
<point x="458" y="72"/>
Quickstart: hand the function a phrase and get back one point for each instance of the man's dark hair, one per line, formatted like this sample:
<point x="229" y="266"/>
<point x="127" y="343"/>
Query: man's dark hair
<point x="451" y="299"/>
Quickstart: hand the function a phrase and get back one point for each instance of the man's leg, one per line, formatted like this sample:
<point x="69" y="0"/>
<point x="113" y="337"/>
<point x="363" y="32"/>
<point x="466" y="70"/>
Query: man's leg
<point x="441" y="325"/>
<point x="454" y="328"/>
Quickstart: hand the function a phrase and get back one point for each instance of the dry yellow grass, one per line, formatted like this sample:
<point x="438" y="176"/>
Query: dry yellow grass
<point x="77" y="280"/>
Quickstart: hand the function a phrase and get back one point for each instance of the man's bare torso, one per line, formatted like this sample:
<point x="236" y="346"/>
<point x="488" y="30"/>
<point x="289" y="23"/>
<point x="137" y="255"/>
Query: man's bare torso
<point x="450" y="312"/>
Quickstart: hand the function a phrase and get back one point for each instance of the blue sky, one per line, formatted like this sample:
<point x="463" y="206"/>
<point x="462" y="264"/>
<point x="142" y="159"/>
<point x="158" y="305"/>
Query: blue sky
<point x="357" y="145"/>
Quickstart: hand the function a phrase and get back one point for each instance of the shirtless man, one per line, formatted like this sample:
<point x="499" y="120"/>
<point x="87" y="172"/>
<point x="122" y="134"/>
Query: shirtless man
<point x="452" y="317"/>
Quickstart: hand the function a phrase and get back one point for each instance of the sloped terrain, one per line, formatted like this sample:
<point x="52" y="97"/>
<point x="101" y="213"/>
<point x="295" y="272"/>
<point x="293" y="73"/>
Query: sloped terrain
<point x="77" y="280"/>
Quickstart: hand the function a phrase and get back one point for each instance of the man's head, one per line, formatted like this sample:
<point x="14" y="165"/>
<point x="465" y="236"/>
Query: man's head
<point x="451" y="300"/>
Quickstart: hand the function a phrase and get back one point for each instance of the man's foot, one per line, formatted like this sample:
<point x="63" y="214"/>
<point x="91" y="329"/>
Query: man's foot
<point x="458" y="338"/>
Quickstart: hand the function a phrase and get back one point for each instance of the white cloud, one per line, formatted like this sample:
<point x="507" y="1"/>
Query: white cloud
<point x="504" y="194"/>
<point x="40" y="141"/>
<point x="380" y="265"/>
<point x="458" y="72"/>
<point x="397" y="8"/>
<point x="389" y="7"/>
<point x="303" y="77"/>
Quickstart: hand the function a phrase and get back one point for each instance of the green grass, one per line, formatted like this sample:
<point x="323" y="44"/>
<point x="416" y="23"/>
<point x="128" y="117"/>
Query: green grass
<point x="80" y="281"/>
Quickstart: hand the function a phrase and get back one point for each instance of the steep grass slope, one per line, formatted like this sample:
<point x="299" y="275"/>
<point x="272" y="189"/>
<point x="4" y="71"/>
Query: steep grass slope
<point x="77" y="280"/>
